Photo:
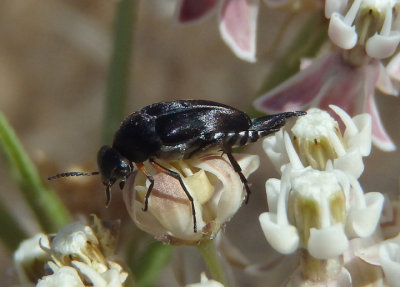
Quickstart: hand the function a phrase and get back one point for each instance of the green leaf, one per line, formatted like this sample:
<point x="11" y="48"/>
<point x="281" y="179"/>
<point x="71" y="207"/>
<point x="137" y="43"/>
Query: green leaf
<point x="49" y="210"/>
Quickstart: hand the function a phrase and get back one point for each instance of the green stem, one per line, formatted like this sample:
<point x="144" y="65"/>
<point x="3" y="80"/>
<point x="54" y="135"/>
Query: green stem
<point x="209" y="252"/>
<point x="150" y="263"/>
<point x="120" y="67"/>
<point x="48" y="208"/>
<point x="12" y="233"/>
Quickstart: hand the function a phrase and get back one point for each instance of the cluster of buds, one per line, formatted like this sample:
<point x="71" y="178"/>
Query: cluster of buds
<point x="78" y="255"/>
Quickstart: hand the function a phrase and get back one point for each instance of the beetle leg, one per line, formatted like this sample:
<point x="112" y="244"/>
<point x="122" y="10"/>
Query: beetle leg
<point x="176" y="175"/>
<point x="141" y="167"/>
<point x="238" y="169"/>
<point x="108" y="195"/>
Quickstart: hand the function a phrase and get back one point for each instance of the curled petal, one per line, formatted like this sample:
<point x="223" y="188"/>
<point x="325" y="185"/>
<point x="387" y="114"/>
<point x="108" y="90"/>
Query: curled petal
<point x="191" y="10"/>
<point x="362" y="222"/>
<point x="283" y="238"/>
<point x="274" y="147"/>
<point x="273" y="188"/>
<point x="362" y="141"/>
<point x="358" y="130"/>
<point x="341" y="33"/>
<point x="382" y="46"/>
<point x="238" y="27"/>
<point x="327" y="242"/>
<point x="351" y="163"/>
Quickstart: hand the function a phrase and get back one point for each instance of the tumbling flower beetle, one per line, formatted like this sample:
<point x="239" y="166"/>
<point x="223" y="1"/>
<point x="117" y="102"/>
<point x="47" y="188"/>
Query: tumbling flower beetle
<point x="178" y="130"/>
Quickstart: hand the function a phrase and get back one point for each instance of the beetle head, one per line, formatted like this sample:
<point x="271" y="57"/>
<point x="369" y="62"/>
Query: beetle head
<point x="112" y="166"/>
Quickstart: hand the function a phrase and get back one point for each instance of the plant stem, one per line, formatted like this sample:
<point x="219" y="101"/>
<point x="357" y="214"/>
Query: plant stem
<point x="120" y="67"/>
<point x="210" y="255"/>
<point x="48" y="208"/>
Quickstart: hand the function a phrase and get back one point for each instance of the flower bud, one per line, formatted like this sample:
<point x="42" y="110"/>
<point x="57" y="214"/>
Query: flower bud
<point x="216" y="189"/>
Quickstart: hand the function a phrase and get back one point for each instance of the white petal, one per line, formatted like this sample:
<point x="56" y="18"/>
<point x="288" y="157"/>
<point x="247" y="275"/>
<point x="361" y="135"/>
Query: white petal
<point x="274" y="147"/>
<point x="351" y="163"/>
<point x="283" y="238"/>
<point x="65" y="276"/>
<point x="273" y="188"/>
<point x="363" y="221"/>
<point x="382" y="46"/>
<point x="327" y="242"/>
<point x="94" y="277"/>
<point x="341" y="33"/>
<point x="291" y="153"/>
<point x="364" y="137"/>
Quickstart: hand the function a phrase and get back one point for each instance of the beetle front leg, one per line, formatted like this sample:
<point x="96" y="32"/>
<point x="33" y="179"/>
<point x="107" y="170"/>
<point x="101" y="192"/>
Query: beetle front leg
<point x="141" y="167"/>
<point x="176" y="175"/>
<point x="238" y="169"/>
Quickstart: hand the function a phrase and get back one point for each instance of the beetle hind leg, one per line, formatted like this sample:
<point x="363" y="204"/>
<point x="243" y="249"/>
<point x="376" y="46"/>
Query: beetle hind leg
<point x="176" y="175"/>
<point x="238" y="169"/>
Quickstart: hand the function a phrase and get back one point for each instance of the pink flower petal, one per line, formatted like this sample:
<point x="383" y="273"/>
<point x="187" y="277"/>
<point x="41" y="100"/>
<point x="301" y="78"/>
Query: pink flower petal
<point x="238" y="27"/>
<point x="379" y="135"/>
<point x="300" y="90"/>
<point x="190" y="10"/>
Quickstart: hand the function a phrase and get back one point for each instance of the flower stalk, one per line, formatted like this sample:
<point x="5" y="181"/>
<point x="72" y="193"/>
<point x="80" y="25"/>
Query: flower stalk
<point x="209" y="253"/>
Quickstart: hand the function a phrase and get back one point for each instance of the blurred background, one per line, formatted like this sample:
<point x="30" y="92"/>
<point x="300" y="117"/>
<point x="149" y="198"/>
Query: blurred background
<point x="54" y="63"/>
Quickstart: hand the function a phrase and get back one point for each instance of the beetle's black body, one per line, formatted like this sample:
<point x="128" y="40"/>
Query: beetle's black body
<point x="180" y="129"/>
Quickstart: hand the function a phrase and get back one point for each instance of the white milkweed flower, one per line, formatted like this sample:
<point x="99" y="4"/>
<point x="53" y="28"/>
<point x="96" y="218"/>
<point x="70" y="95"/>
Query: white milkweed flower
<point x="215" y="186"/>
<point x="316" y="139"/>
<point x="78" y="255"/>
<point x="318" y="212"/>
<point x="205" y="282"/>
<point x="30" y="258"/>
<point x="369" y="23"/>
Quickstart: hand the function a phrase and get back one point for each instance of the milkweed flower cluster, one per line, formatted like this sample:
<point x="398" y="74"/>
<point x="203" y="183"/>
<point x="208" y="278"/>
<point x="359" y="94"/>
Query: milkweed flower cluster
<point x="215" y="186"/>
<point x="78" y="255"/>
<point x="365" y="32"/>
<point x="318" y="205"/>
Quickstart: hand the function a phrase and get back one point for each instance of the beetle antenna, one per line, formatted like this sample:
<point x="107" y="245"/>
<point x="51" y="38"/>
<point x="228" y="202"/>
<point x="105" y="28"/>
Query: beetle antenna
<point x="72" y="173"/>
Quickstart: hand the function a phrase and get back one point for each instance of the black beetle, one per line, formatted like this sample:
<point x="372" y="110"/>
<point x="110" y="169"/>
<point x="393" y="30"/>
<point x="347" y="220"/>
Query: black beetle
<point x="178" y="130"/>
